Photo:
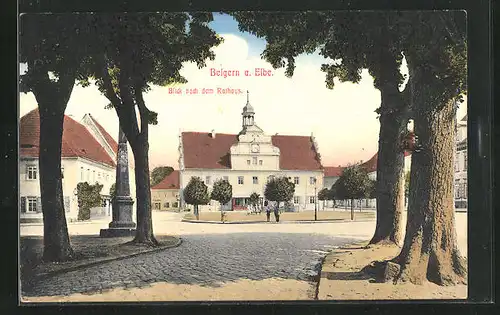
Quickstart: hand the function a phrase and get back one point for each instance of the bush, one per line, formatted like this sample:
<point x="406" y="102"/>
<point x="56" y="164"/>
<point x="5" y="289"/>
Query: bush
<point x="89" y="196"/>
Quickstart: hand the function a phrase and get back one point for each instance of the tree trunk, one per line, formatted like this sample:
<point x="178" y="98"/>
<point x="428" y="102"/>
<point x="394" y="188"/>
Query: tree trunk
<point x="352" y="209"/>
<point x="390" y="167"/>
<point x="196" y="212"/>
<point x="56" y="242"/>
<point x="430" y="249"/>
<point x="144" y="231"/>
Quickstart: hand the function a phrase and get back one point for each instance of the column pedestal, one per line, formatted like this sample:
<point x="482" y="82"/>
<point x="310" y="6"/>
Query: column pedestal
<point x="122" y="223"/>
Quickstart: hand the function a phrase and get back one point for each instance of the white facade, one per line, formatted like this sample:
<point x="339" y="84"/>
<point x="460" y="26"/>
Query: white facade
<point x="74" y="171"/>
<point x="253" y="159"/>
<point x="304" y="190"/>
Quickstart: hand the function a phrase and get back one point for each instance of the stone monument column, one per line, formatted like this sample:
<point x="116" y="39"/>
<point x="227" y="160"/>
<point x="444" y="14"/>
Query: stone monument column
<point x="122" y="223"/>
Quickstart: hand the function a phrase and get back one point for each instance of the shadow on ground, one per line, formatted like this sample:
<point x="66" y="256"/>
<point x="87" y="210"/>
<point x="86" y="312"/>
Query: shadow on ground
<point x="202" y="259"/>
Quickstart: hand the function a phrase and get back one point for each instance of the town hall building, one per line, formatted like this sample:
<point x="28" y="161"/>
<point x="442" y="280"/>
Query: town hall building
<point x="248" y="160"/>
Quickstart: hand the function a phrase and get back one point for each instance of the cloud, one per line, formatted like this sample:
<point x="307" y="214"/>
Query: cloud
<point x="343" y="119"/>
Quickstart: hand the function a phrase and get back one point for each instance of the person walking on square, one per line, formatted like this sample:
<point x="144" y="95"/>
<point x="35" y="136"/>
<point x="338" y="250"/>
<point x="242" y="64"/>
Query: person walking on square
<point x="277" y="212"/>
<point x="268" y="210"/>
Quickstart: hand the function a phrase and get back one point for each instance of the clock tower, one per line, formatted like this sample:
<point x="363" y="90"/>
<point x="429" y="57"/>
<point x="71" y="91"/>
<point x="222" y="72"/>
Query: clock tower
<point x="254" y="149"/>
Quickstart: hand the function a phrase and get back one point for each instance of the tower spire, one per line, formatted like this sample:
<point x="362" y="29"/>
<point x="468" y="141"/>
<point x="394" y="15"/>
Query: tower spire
<point x="248" y="97"/>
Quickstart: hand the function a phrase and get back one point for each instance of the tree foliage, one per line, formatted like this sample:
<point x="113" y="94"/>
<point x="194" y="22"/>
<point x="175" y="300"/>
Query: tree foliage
<point x="196" y="193"/>
<point x="89" y="196"/>
<point x="372" y="189"/>
<point x="354" y="182"/>
<point x="279" y="189"/>
<point x="112" y="191"/>
<point x="137" y="51"/>
<point x="254" y="199"/>
<point x="324" y="194"/>
<point x="159" y="173"/>
<point x="222" y="191"/>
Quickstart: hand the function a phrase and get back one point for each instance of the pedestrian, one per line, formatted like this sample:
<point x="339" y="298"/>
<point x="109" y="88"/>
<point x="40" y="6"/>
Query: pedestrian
<point x="277" y="212"/>
<point x="268" y="210"/>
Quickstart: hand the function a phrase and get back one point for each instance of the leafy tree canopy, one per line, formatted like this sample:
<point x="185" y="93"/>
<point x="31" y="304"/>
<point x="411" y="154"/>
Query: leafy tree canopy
<point x="254" y="198"/>
<point x="279" y="189"/>
<point x="159" y="173"/>
<point x="143" y="49"/>
<point x="196" y="192"/>
<point x="222" y="191"/>
<point x="354" y="182"/>
<point x="375" y="40"/>
<point x="324" y="194"/>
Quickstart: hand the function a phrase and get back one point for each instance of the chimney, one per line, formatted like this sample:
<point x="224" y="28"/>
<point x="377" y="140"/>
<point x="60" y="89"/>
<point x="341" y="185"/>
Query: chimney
<point x="212" y="134"/>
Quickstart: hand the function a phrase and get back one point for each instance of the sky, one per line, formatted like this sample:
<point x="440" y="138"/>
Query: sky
<point x="342" y="120"/>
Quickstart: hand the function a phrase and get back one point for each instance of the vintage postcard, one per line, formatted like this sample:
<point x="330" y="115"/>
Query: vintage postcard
<point x="252" y="156"/>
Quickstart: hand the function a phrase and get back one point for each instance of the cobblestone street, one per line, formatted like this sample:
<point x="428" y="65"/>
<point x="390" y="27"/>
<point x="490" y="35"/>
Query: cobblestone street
<point x="206" y="260"/>
<point x="211" y="255"/>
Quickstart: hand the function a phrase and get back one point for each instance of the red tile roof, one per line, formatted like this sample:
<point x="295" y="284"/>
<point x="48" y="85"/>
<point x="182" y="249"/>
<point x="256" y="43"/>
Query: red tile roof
<point x="112" y="142"/>
<point x="203" y="151"/>
<point x="333" y="171"/>
<point x="169" y="182"/>
<point x="371" y="164"/>
<point x="77" y="141"/>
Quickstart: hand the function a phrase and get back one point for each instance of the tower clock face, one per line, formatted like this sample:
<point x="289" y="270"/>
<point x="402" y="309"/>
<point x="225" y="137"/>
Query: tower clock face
<point x="255" y="148"/>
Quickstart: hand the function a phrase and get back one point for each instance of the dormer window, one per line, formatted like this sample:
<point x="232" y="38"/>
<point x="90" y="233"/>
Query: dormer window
<point x="254" y="160"/>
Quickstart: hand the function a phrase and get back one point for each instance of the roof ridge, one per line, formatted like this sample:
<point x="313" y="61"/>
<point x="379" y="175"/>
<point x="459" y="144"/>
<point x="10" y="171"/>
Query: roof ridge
<point x="103" y="132"/>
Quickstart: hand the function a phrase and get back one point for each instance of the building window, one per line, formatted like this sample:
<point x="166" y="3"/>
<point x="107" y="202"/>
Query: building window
<point x="248" y="162"/>
<point x="312" y="199"/>
<point x="260" y="162"/>
<point x="296" y="180"/>
<point x="457" y="161"/>
<point x="296" y="200"/>
<point x="312" y="180"/>
<point x="457" y="188"/>
<point x="99" y="176"/>
<point x="88" y="175"/>
<point x="32" y="204"/>
<point x="465" y="161"/>
<point x="166" y="205"/>
<point x="226" y="178"/>
<point x="157" y="206"/>
<point x="175" y="205"/>
<point x="81" y="173"/>
<point x="62" y="172"/>
<point x="93" y="176"/>
<point x="207" y="180"/>
<point x="240" y="180"/>
<point x="255" y="180"/>
<point x="32" y="172"/>
<point x="254" y="160"/>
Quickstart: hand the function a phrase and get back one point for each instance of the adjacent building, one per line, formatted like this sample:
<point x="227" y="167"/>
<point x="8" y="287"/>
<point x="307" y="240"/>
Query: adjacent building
<point x="165" y="195"/>
<point x="461" y="164"/>
<point x="88" y="155"/>
<point x="248" y="160"/>
<point x="333" y="173"/>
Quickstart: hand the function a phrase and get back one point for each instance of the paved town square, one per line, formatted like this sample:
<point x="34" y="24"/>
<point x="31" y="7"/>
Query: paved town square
<point x="214" y="255"/>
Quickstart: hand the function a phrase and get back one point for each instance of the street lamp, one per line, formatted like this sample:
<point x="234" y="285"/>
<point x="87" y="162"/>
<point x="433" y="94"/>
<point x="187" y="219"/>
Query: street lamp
<point x="315" y="203"/>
